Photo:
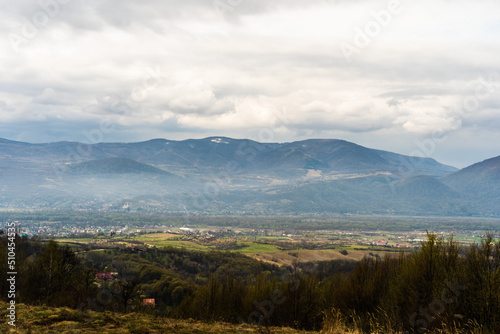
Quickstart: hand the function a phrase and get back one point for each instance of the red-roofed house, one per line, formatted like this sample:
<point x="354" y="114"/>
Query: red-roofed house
<point x="104" y="276"/>
<point x="148" y="302"/>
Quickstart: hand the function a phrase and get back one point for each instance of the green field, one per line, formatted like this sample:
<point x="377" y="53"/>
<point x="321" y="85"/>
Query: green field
<point x="251" y="245"/>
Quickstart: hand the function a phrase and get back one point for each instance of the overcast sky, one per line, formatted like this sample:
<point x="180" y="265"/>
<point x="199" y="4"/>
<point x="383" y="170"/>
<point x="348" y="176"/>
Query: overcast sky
<point x="414" y="77"/>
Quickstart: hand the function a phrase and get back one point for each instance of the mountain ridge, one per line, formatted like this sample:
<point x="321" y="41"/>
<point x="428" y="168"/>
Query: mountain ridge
<point x="325" y="154"/>
<point x="218" y="174"/>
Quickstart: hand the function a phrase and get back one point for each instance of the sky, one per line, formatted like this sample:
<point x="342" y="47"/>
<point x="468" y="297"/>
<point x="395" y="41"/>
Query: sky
<point x="415" y="77"/>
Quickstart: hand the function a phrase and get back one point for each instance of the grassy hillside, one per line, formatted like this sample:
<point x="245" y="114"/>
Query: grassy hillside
<point x="48" y="320"/>
<point x="114" y="166"/>
<point x="41" y="319"/>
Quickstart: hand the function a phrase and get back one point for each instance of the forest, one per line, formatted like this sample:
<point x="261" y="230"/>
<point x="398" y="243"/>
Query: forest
<point x="441" y="287"/>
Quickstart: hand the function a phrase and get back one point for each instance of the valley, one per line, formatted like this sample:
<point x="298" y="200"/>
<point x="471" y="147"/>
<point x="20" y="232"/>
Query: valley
<point x="276" y="240"/>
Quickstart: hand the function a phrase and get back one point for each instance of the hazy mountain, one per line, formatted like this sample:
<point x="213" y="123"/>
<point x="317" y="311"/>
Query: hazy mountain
<point x="480" y="183"/>
<point x="346" y="157"/>
<point x="217" y="152"/>
<point x="222" y="175"/>
<point x="421" y="195"/>
<point x="479" y="178"/>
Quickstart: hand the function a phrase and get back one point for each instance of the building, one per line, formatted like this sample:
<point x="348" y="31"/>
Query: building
<point x="148" y="302"/>
<point x="104" y="276"/>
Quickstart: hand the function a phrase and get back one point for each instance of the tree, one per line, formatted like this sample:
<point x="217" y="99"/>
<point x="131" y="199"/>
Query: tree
<point x="51" y="277"/>
<point x="126" y="290"/>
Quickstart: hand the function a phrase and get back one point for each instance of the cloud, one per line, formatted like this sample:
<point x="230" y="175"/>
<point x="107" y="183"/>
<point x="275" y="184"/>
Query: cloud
<point x="195" y="97"/>
<point x="244" y="67"/>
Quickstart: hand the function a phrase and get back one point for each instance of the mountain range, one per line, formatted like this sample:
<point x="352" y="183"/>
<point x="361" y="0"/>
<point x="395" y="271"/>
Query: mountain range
<point x="241" y="176"/>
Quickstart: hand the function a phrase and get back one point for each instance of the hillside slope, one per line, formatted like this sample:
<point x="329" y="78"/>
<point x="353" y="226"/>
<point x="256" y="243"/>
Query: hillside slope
<point x="480" y="183"/>
<point x="42" y="319"/>
<point x="114" y="166"/>
<point x="420" y="195"/>
<point x="478" y="178"/>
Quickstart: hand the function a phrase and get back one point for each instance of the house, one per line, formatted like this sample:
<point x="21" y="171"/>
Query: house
<point x="148" y="302"/>
<point x="104" y="276"/>
<point x="187" y="230"/>
<point x="381" y="243"/>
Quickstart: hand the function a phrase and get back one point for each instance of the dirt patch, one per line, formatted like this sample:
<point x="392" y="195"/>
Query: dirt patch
<point x="158" y="236"/>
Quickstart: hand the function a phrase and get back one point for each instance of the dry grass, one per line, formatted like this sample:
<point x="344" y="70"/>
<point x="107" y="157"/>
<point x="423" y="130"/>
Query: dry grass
<point x="337" y="323"/>
<point x="147" y="237"/>
<point x="283" y="258"/>
<point x="46" y="320"/>
<point x="41" y="319"/>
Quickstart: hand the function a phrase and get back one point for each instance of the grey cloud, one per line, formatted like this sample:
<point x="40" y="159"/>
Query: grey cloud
<point x="50" y="96"/>
<point x="357" y="127"/>
<point x="259" y="58"/>
<point x="394" y="102"/>
<point x="92" y="15"/>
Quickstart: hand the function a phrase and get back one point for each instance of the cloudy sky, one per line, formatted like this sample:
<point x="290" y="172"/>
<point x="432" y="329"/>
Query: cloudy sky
<point x="414" y="77"/>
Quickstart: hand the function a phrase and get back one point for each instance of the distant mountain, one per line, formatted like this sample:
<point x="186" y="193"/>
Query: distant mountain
<point x="479" y="178"/>
<point x="480" y="183"/>
<point x="220" y="175"/>
<point x="327" y="155"/>
<point x="346" y="157"/>
<point x="114" y="166"/>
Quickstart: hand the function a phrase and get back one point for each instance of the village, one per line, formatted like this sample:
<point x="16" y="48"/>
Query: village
<point x="151" y="234"/>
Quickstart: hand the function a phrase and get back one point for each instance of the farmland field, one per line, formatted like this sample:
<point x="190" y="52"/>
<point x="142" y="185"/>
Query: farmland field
<point x="283" y="251"/>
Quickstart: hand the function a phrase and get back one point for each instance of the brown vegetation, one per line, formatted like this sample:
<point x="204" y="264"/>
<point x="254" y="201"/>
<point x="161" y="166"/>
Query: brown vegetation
<point x="41" y="319"/>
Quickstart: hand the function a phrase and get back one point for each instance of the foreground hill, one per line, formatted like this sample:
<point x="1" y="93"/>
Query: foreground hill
<point x="42" y="319"/>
